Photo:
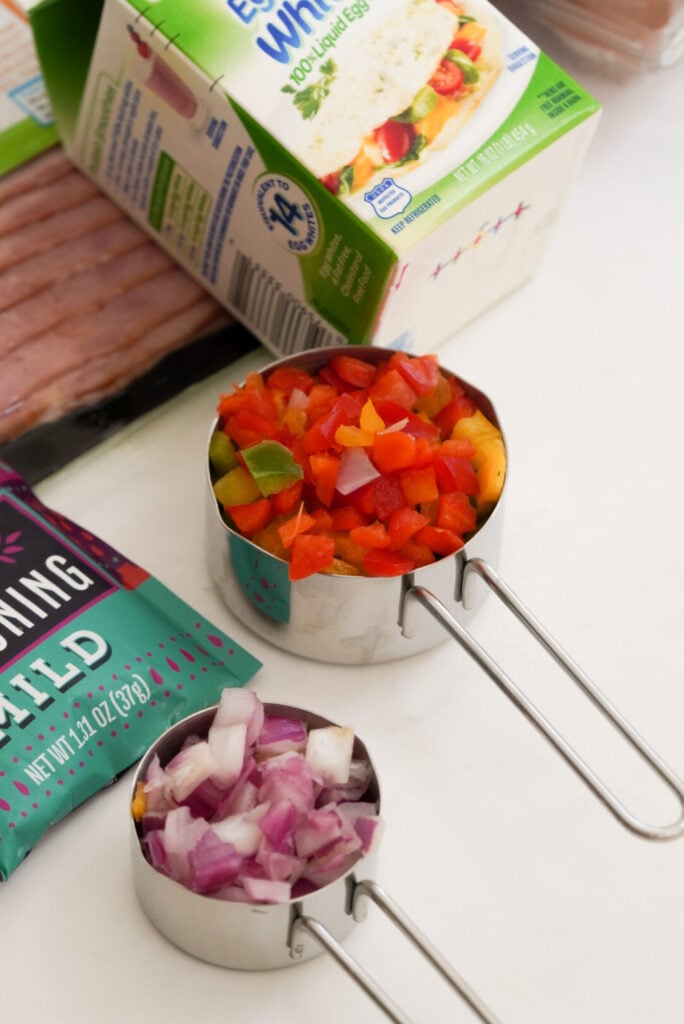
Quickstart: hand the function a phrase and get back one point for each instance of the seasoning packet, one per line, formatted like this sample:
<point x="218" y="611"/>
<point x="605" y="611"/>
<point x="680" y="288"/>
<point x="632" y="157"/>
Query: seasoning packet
<point x="97" y="659"/>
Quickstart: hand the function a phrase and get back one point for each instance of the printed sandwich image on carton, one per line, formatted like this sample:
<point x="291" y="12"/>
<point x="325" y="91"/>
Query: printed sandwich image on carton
<point x="371" y="171"/>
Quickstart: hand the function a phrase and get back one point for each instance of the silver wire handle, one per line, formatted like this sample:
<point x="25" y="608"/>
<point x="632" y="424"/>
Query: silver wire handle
<point x="376" y="893"/>
<point x="531" y="711"/>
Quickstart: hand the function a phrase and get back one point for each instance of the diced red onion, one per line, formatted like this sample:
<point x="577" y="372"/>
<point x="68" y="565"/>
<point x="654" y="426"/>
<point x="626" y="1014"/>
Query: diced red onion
<point x="298" y="399"/>
<point x="263" y="890"/>
<point x="212" y="863"/>
<point x="329" y="752"/>
<point x="399" y="425"/>
<point x="283" y="826"/>
<point x="242" y="830"/>
<point x="228" y="747"/>
<point x="280" y="734"/>
<point x="240" y="706"/>
<point x="190" y="767"/>
<point x="278" y="826"/>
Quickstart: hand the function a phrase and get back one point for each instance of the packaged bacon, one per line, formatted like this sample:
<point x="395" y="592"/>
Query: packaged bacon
<point x="97" y="658"/>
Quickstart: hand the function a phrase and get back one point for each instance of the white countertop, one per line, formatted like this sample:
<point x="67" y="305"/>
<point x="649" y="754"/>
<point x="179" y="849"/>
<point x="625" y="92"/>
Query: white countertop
<point x="551" y="909"/>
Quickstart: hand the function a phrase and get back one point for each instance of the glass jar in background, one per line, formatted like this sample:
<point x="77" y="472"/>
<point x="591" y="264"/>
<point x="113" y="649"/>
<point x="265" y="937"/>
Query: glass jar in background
<point x="632" y="34"/>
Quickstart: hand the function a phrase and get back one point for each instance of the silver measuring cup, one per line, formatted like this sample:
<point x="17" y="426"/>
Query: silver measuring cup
<point x="364" y="620"/>
<point x="256" y="937"/>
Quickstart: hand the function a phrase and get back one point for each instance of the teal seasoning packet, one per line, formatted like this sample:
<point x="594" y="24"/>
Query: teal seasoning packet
<point x="97" y="659"/>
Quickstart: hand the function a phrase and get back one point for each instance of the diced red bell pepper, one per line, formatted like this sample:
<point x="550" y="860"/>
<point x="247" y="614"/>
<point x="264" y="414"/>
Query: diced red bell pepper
<point x="291" y="528"/>
<point x="392" y="412"/>
<point x="310" y="553"/>
<point x="403" y="524"/>
<point x="391" y="386"/>
<point x="332" y="377"/>
<point x="440" y="396"/>
<point x="345" y="411"/>
<point x="363" y="498"/>
<point x="354" y="371"/>
<point x="393" y="450"/>
<point x="287" y="500"/>
<point x="287" y="378"/>
<point x="372" y="536"/>
<point x="322" y="520"/>
<point x="325" y="468"/>
<point x="456" y="474"/>
<point x="456" y="513"/>
<point x="322" y="397"/>
<point x="346" y="518"/>
<point x="382" y="562"/>
<point x="420" y="554"/>
<point x="254" y="395"/>
<point x="449" y="416"/>
<point x="420" y="372"/>
<point x="387" y="496"/>
<point x="419" y="485"/>
<point x="425" y="453"/>
<point x="462" y="447"/>
<point x="247" y="427"/>
<point x="439" y="540"/>
<point x="251" y="518"/>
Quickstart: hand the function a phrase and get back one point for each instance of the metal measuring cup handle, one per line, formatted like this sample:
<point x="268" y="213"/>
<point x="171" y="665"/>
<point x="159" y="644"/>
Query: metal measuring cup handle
<point x="361" y="892"/>
<point x="416" y="595"/>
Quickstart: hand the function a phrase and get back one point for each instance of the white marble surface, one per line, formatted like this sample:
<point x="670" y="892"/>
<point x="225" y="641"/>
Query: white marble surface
<point x="551" y="909"/>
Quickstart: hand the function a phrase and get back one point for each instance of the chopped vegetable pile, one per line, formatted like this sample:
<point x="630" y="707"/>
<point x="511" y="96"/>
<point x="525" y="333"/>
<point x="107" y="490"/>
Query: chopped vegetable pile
<point x="262" y="810"/>
<point x="361" y="469"/>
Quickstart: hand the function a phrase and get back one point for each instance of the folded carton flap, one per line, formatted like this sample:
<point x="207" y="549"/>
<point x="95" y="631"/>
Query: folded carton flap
<point x="64" y="33"/>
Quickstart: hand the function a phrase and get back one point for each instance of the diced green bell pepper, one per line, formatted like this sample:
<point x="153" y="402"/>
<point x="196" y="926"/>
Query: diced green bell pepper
<point x="272" y="466"/>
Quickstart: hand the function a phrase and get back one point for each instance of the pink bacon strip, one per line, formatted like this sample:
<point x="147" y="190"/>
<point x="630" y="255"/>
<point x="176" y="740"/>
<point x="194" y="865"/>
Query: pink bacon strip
<point x="33" y="275"/>
<point x="38" y="204"/>
<point x="45" y="234"/>
<point x="106" y="376"/>
<point x="115" y="326"/>
<point x="80" y="294"/>
<point x="42" y="170"/>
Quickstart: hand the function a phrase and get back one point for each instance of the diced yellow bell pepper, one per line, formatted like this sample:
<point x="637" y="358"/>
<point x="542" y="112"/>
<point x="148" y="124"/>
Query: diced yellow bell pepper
<point x="370" y="419"/>
<point x="340" y="568"/>
<point x="482" y="432"/>
<point x="491" y="476"/>
<point x="139" y="803"/>
<point x="237" y="487"/>
<point x="353" y="437"/>
<point x="221" y="453"/>
<point x="269" y="539"/>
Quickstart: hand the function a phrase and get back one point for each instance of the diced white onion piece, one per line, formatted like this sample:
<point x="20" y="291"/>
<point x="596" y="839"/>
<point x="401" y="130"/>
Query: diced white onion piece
<point x="263" y="890"/>
<point x="182" y="832"/>
<point x="188" y="769"/>
<point x="228" y="745"/>
<point x="399" y="425"/>
<point x="298" y="399"/>
<point x="242" y="830"/>
<point x="238" y="706"/>
<point x="329" y="751"/>
<point x="356" y="469"/>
